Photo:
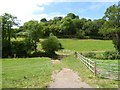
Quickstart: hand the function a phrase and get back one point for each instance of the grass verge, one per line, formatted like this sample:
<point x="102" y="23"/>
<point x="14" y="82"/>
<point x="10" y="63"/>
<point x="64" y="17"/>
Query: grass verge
<point x="87" y="76"/>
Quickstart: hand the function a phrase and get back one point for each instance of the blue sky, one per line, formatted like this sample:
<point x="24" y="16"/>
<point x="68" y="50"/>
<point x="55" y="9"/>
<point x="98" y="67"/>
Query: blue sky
<point x="92" y="10"/>
<point x="26" y="10"/>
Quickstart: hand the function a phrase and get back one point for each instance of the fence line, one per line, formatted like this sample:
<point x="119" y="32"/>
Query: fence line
<point x="91" y="65"/>
<point x="98" y="68"/>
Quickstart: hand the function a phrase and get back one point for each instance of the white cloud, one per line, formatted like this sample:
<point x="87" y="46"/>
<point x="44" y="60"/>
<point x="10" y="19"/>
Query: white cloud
<point x="24" y="9"/>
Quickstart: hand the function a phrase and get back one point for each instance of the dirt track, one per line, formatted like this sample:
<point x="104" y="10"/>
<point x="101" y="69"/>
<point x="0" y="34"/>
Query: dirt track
<point x="66" y="78"/>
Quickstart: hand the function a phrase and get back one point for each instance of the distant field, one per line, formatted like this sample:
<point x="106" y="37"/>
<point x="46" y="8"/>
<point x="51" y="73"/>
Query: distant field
<point x="87" y="45"/>
<point x="82" y="45"/>
<point x="26" y="72"/>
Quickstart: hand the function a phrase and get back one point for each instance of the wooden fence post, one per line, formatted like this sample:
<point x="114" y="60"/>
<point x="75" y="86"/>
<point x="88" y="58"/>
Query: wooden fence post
<point x="95" y="68"/>
<point x="76" y="54"/>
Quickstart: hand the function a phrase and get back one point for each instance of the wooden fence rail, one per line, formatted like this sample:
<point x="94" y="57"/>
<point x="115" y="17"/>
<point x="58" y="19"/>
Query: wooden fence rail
<point x="91" y="65"/>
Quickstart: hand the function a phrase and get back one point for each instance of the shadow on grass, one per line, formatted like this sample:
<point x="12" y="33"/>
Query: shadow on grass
<point x="44" y="54"/>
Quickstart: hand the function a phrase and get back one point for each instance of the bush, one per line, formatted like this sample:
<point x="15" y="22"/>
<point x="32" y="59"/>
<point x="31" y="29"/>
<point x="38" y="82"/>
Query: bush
<point x="111" y="55"/>
<point x="22" y="48"/>
<point x="89" y="54"/>
<point x="80" y="34"/>
<point x="38" y="54"/>
<point x="5" y="49"/>
<point x="51" y="45"/>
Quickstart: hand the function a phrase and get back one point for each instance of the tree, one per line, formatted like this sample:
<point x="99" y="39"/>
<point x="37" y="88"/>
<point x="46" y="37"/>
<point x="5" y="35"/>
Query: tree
<point x="43" y="20"/>
<point x="80" y="34"/>
<point x="58" y="18"/>
<point x="68" y="26"/>
<point x="8" y="21"/>
<point x="72" y="15"/>
<point x="112" y="24"/>
<point x="87" y="27"/>
<point x="51" y="45"/>
<point x="33" y="28"/>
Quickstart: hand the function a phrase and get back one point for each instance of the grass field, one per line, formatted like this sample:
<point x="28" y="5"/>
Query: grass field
<point x="82" y="45"/>
<point x="36" y="72"/>
<point x="26" y="72"/>
<point x="87" y="45"/>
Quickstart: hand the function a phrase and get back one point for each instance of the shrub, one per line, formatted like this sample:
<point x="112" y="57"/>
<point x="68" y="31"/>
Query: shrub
<point x="5" y="52"/>
<point x="90" y="54"/>
<point x="106" y="55"/>
<point x="38" y="54"/>
<point x="80" y="34"/>
<point x="51" y="45"/>
<point x="99" y="56"/>
<point x="111" y="55"/>
<point x="22" y="48"/>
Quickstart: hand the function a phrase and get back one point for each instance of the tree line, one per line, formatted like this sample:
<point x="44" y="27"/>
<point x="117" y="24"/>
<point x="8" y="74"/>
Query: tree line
<point x="70" y="26"/>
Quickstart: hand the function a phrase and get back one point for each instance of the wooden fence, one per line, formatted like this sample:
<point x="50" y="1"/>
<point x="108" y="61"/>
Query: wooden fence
<point x="105" y="70"/>
<point x="91" y="65"/>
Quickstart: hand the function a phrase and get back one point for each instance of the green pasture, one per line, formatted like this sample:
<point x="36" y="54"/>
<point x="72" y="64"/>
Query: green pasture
<point x="36" y="72"/>
<point x="81" y="45"/>
<point x="87" y="45"/>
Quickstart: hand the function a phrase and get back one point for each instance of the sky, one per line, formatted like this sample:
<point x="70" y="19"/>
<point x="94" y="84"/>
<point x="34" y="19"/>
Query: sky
<point x="26" y="10"/>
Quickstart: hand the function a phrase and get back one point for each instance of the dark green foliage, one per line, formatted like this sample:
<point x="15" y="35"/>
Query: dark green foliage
<point x="43" y="20"/>
<point x="69" y="26"/>
<point x="112" y="24"/>
<point x="89" y="54"/>
<point x="38" y="54"/>
<point x="33" y="28"/>
<point x="111" y="55"/>
<point x="80" y="34"/>
<point x="8" y="21"/>
<point x="116" y="42"/>
<point x="22" y="48"/>
<point x="51" y="45"/>
<point x="5" y="48"/>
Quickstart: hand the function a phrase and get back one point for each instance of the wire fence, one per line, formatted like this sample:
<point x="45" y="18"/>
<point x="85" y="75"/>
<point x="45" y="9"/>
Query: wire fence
<point x="110" y="71"/>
